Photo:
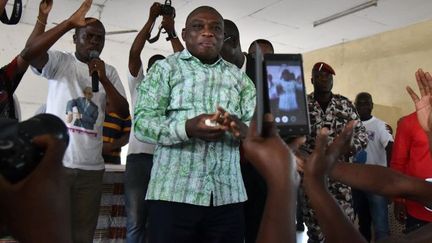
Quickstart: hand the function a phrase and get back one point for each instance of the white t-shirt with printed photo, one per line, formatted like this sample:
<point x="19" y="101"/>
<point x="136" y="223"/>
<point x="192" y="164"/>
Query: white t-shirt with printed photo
<point x="70" y="98"/>
<point x="378" y="138"/>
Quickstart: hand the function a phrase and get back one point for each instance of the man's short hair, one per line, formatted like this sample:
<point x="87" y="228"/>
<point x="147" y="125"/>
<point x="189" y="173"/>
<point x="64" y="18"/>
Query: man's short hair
<point x="89" y="20"/>
<point x="232" y="27"/>
<point x="202" y="9"/>
<point x="262" y="41"/>
<point x="365" y="95"/>
<point x="153" y="59"/>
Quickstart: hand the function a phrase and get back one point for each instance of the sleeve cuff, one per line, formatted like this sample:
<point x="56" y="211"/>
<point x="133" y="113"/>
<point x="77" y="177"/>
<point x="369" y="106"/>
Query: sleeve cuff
<point x="181" y="131"/>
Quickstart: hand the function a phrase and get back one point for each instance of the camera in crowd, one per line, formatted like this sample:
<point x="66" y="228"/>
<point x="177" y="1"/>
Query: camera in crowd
<point x="15" y="16"/>
<point x="18" y="155"/>
<point x="166" y="9"/>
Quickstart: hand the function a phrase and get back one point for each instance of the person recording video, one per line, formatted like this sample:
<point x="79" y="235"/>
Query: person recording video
<point x="34" y="194"/>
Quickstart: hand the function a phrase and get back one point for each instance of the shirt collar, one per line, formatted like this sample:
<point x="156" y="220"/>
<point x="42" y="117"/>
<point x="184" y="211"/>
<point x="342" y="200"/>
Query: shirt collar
<point x="243" y="67"/>
<point x="186" y="55"/>
<point x="312" y="96"/>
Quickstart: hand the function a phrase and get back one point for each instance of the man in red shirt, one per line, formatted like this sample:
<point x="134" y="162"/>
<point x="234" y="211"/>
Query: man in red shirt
<point x="411" y="156"/>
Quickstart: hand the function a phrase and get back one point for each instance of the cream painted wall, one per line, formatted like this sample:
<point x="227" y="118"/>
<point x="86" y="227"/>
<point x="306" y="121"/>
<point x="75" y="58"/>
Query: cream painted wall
<point x="382" y="65"/>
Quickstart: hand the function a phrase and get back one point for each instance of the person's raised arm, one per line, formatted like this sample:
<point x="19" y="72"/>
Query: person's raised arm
<point x="115" y="102"/>
<point x="40" y="45"/>
<point x="275" y="161"/>
<point x="41" y="21"/>
<point x="135" y="62"/>
<point x="333" y="222"/>
<point x="423" y="103"/>
<point x="169" y="26"/>
<point x="370" y="178"/>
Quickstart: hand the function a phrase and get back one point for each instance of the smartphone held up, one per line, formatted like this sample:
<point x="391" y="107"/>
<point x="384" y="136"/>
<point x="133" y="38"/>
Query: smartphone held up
<point x="281" y="91"/>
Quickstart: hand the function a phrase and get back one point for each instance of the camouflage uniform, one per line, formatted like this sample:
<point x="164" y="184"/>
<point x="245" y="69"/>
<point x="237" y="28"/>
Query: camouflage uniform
<point x="338" y="113"/>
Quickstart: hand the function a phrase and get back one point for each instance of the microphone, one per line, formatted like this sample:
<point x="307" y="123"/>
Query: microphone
<point x="95" y="77"/>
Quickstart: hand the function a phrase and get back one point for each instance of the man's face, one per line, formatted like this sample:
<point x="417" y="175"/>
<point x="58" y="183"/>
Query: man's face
<point x="364" y="106"/>
<point x="89" y="38"/>
<point x="286" y="75"/>
<point x="322" y="82"/>
<point x="228" y="51"/>
<point x="88" y="94"/>
<point x="203" y="35"/>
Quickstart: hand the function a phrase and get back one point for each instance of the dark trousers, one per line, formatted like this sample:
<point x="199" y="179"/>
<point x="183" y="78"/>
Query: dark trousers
<point x="85" y="193"/>
<point x="256" y="190"/>
<point x="185" y="223"/>
<point x="371" y="209"/>
<point x="137" y="177"/>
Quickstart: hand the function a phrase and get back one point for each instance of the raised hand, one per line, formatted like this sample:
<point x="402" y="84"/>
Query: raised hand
<point x="274" y="160"/>
<point x="78" y="18"/>
<point x="154" y="11"/>
<point x="270" y="155"/>
<point x="325" y="156"/>
<point x="168" y="23"/>
<point x="45" y="7"/>
<point x="327" y="211"/>
<point x="423" y="103"/>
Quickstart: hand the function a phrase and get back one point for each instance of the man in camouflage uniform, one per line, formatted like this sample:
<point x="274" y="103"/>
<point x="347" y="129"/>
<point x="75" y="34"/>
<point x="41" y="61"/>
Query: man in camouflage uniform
<point x="332" y="111"/>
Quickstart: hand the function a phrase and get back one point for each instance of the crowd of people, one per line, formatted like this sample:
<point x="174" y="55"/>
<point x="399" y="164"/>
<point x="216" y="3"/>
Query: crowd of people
<point x="197" y="170"/>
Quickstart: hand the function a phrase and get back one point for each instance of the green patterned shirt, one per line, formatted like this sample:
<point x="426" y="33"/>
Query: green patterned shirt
<point x="191" y="170"/>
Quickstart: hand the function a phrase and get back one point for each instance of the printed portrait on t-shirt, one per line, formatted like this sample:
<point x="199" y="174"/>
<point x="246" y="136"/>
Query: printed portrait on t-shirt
<point x="82" y="110"/>
<point x="371" y="135"/>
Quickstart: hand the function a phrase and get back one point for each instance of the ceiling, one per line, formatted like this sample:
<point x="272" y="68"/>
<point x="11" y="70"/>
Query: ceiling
<point x="287" y="23"/>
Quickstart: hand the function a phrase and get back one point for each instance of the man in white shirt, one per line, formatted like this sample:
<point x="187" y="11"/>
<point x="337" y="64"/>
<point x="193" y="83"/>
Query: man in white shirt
<point x="371" y="207"/>
<point x="69" y="76"/>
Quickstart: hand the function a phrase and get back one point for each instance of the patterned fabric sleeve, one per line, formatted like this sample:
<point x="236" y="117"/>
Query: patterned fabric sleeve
<point x="360" y="137"/>
<point x="151" y="123"/>
<point x="248" y="99"/>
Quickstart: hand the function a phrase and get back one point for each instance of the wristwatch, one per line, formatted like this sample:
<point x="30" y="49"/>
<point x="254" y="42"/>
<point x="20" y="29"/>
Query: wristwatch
<point x="171" y="35"/>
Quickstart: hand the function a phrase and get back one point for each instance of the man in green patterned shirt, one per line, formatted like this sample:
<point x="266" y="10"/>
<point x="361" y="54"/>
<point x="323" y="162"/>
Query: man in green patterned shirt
<point x="196" y="189"/>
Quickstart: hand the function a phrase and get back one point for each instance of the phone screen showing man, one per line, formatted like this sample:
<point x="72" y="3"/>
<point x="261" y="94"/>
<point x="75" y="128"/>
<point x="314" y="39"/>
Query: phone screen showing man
<point x="287" y="93"/>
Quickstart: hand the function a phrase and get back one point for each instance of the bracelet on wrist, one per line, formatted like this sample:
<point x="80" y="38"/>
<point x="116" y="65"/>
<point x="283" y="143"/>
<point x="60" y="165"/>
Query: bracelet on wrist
<point x="41" y="22"/>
